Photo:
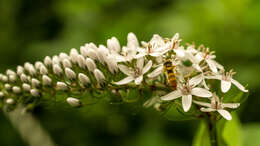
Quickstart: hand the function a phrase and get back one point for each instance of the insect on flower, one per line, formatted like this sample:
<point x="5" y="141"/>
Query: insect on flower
<point x="169" y="69"/>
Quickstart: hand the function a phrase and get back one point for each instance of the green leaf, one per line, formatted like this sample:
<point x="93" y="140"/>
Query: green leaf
<point x="202" y="137"/>
<point x="176" y="113"/>
<point x="232" y="132"/>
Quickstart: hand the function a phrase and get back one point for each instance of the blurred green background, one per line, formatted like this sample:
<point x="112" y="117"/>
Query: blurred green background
<point x="32" y="29"/>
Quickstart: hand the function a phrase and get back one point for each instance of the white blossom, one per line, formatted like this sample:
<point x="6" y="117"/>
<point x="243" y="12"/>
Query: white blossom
<point x="2" y="94"/>
<point x="7" y="86"/>
<point x="186" y="92"/>
<point x="134" y="74"/>
<point x="81" y="61"/>
<point x="43" y="70"/>
<point x="226" y="81"/>
<point x="19" y="70"/>
<point x="113" y="44"/>
<point x="217" y="105"/>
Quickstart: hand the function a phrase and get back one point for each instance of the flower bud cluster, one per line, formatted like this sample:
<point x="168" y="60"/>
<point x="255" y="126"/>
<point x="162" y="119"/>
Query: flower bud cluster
<point x="183" y="71"/>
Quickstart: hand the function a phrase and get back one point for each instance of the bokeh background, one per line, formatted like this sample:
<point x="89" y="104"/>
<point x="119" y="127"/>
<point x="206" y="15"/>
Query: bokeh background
<point x="32" y="29"/>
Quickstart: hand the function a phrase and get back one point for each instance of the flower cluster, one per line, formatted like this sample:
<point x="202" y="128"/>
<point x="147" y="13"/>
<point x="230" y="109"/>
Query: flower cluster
<point x="136" y="65"/>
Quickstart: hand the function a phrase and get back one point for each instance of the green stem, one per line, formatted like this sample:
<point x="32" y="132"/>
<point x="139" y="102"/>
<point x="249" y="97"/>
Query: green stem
<point x="212" y="124"/>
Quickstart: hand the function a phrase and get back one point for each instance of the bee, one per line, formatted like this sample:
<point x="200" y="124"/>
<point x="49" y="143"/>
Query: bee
<point x="169" y="69"/>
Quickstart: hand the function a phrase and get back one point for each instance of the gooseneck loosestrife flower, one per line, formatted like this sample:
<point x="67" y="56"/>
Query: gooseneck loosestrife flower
<point x="116" y="71"/>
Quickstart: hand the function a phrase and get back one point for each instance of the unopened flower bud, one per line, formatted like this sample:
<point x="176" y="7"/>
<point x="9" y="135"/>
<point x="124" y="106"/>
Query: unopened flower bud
<point x="35" y="83"/>
<point x="26" y="87"/>
<point x="83" y="79"/>
<point x="55" y="60"/>
<point x="74" y="55"/>
<point x="4" y="78"/>
<point x="47" y="61"/>
<point x="10" y="72"/>
<point x="38" y="65"/>
<point x="43" y="70"/>
<point x="62" y="86"/>
<point x="63" y="56"/>
<point x="2" y="94"/>
<point x="10" y="101"/>
<point x="132" y="40"/>
<point x="46" y="80"/>
<point x="81" y="61"/>
<point x="19" y="70"/>
<point x="66" y="63"/>
<point x="83" y="51"/>
<point x="70" y="73"/>
<point x="7" y="86"/>
<point x="16" y="89"/>
<point x="57" y="69"/>
<point x="90" y="64"/>
<point x="34" y="92"/>
<point x="12" y="78"/>
<point x="91" y="53"/>
<point x="112" y="64"/>
<point x="113" y="44"/>
<point x="23" y="78"/>
<point x="74" y="102"/>
<point x="99" y="76"/>
<point x="30" y="68"/>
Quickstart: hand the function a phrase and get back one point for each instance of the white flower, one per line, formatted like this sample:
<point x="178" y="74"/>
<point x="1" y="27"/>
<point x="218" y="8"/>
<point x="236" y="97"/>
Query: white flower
<point x="10" y="101"/>
<point x="156" y="47"/>
<point x="217" y="105"/>
<point x="74" y="55"/>
<point x="199" y="79"/>
<point x="35" y="83"/>
<point x="186" y="92"/>
<point x="57" y="70"/>
<point x="43" y="70"/>
<point x="90" y="64"/>
<point x="2" y="94"/>
<point x="66" y="63"/>
<point x="209" y="58"/>
<point x="226" y="80"/>
<point x="134" y="74"/>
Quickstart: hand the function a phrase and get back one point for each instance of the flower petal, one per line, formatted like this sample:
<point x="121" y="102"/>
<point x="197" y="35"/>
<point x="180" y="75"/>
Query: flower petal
<point x="207" y="109"/>
<point x="230" y="105"/>
<point x="196" y="80"/>
<point x="225" y="86"/>
<point x="225" y="114"/>
<point x="200" y="92"/>
<point x="138" y="80"/>
<point x="212" y="65"/>
<point x="156" y="72"/>
<point x="147" y="67"/>
<point x="202" y="103"/>
<point x="140" y="63"/>
<point x="217" y="77"/>
<point x="171" y="96"/>
<point x="241" y="87"/>
<point x="186" y="102"/>
<point x="125" y="81"/>
<point x="125" y="69"/>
